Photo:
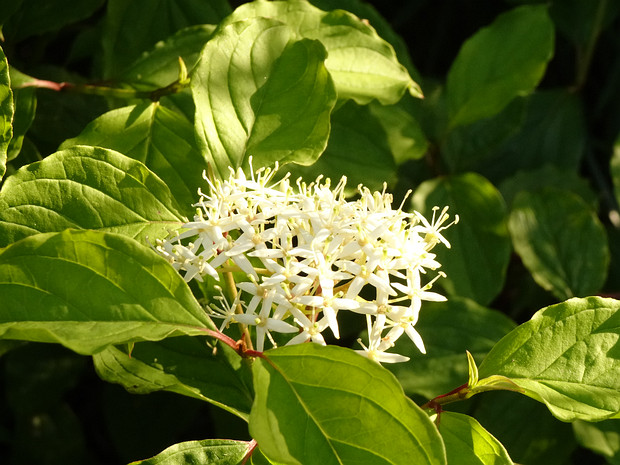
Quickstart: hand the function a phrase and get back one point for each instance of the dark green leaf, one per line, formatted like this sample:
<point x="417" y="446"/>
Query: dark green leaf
<point x="444" y="366"/>
<point x="185" y="365"/>
<point x="471" y="147"/>
<point x="548" y="176"/>
<point x="476" y="264"/>
<point x="327" y="405"/>
<point x="361" y="63"/>
<point x="87" y="290"/>
<point x="160" y="138"/>
<point x="6" y="112"/>
<point x="259" y="92"/>
<point x="468" y="442"/>
<point x="525" y="428"/>
<point x="134" y="27"/>
<point x="207" y="451"/>
<point x="89" y="188"/>
<point x="358" y="145"/>
<point x="500" y="62"/>
<point x="561" y="241"/>
<point x="567" y="357"/>
<point x="614" y="166"/>
<point x="160" y="66"/>
<point x="554" y="132"/>
<point x="602" y="438"/>
<point x="34" y="18"/>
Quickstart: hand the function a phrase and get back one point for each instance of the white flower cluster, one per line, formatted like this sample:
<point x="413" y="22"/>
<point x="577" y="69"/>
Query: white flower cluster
<point x="309" y="254"/>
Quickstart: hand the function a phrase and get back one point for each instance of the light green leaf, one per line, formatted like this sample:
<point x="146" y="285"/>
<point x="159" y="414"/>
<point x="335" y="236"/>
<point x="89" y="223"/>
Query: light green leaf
<point x="362" y="64"/>
<point x="260" y="92"/>
<point x="468" y="442"/>
<point x="132" y="28"/>
<point x="567" y="357"/>
<point x="602" y="438"/>
<point x="328" y="405"/>
<point x="87" y="290"/>
<point x="207" y="451"/>
<point x="444" y="366"/>
<point x="160" y="66"/>
<point x="184" y="365"/>
<point x="86" y="188"/>
<point x="500" y="62"/>
<point x="6" y="112"/>
<point x="160" y="138"/>
<point x="561" y="242"/>
<point x="476" y="264"/>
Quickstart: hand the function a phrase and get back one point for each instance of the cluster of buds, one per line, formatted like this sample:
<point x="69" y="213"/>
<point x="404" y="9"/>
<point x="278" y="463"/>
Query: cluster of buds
<point x="308" y="254"/>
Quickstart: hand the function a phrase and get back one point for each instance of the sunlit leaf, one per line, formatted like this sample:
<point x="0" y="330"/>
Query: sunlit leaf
<point x="160" y="138"/>
<point x="567" y="357"/>
<point x="184" y="365"/>
<point x="260" y="92"/>
<point x="86" y="188"/>
<point x="362" y="64"/>
<point x="498" y="63"/>
<point x="327" y="405"/>
<point x="561" y="241"/>
<point x="476" y="263"/>
<point x="6" y="112"/>
<point x="87" y="290"/>
<point x="207" y="451"/>
<point x="468" y="442"/>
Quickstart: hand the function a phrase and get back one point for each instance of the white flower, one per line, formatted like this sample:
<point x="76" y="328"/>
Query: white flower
<point x="302" y="254"/>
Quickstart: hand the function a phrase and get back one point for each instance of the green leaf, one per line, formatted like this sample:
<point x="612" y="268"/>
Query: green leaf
<point x="358" y="145"/>
<point x="79" y="289"/>
<point x="86" y="188"/>
<point x="614" y="166"/>
<point x="6" y="112"/>
<point x="561" y="241"/>
<point x="35" y="18"/>
<point x="472" y="147"/>
<point x="441" y="326"/>
<point x="327" y="405"/>
<point x="184" y="365"/>
<point x="160" y="66"/>
<point x="602" y="438"/>
<point x="25" y="101"/>
<point x="260" y="92"/>
<point x="477" y="261"/>
<point x="362" y="64"/>
<point x="567" y="357"/>
<point x="526" y="428"/>
<point x="160" y="138"/>
<point x="207" y="451"/>
<point x="132" y="28"/>
<point x="554" y="132"/>
<point x="468" y="442"/>
<point x="500" y="62"/>
<point x="549" y="176"/>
